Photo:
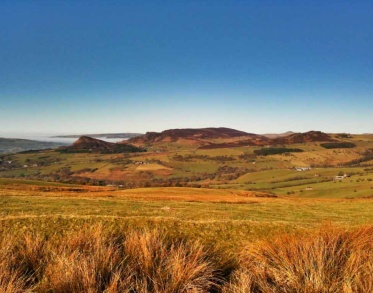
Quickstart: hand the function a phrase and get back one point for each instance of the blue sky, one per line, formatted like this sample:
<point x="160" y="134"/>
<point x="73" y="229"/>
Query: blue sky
<point x="136" y="66"/>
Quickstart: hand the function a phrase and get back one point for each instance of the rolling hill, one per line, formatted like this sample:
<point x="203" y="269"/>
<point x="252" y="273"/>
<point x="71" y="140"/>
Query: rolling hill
<point x="213" y="138"/>
<point x="93" y="145"/>
<point x="310" y="136"/>
<point x="174" y="135"/>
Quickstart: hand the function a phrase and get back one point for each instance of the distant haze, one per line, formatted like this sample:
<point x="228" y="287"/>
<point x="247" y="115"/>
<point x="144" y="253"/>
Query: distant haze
<point x="52" y="138"/>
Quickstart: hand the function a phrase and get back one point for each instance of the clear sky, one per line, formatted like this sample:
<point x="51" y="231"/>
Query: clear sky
<point x="136" y="66"/>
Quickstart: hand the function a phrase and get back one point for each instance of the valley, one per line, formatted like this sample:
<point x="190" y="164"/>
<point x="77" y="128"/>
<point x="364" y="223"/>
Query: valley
<point x="297" y="165"/>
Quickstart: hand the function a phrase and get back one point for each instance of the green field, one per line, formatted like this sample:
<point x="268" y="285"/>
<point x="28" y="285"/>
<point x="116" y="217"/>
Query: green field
<point x="188" y="166"/>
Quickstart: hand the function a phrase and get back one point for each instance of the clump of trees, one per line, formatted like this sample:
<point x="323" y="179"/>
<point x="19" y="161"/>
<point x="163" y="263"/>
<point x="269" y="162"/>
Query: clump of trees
<point x="276" y="151"/>
<point x="338" y="145"/>
<point x="123" y="148"/>
<point x="190" y="158"/>
<point x="115" y="149"/>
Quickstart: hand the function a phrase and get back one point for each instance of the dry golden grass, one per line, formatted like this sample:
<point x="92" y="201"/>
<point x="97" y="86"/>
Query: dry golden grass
<point x="94" y="260"/>
<point x="97" y="254"/>
<point x="154" y="194"/>
<point x="327" y="260"/>
<point x="192" y="194"/>
<point x="11" y="279"/>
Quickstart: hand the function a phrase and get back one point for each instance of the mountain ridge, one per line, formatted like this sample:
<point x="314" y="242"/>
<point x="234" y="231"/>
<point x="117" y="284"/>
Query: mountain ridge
<point x="173" y="135"/>
<point x="302" y="137"/>
<point x="208" y="138"/>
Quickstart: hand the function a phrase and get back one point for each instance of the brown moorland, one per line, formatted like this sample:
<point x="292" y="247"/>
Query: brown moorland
<point x="70" y="238"/>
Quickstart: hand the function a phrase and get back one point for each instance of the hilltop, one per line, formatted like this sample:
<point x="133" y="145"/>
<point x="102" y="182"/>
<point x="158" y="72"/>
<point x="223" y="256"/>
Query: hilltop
<point x="310" y="136"/>
<point x="89" y="143"/>
<point x="189" y="133"/>
<point x="93" y="145"/>
<point x="174" y="135"/>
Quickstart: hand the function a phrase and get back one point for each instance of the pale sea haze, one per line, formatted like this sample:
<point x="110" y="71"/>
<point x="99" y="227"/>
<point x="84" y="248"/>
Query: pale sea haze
<point x="50" y="137"/>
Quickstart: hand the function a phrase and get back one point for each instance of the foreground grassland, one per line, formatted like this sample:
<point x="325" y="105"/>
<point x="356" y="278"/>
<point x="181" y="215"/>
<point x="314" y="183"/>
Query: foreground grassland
<point x="71" y="238"/>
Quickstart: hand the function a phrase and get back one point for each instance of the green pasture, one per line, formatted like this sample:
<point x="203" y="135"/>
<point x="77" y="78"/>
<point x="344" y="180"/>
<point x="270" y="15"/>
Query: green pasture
<point x="274" y="173"/>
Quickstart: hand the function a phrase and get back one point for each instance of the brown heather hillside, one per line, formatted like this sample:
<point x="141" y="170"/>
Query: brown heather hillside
<point x="310" y="136"/>
<point x="173" y="135"/>
<point x="89" y="143"/>
<point x="213" y="138"/>
<point x="93" y="145"/>
<point x="281" y="139"/>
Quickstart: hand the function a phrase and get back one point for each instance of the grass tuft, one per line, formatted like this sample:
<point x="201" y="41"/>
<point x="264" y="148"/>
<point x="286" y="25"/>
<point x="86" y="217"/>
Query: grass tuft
<point x="92" y="260"/>
<point x="327" y="260"/>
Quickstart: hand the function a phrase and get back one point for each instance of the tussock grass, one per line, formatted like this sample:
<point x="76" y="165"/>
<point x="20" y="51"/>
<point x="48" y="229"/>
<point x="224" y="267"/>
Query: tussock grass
<point x="327" y="260"/>
<point x="94" y="259"/>
<point x="12" y="279"/>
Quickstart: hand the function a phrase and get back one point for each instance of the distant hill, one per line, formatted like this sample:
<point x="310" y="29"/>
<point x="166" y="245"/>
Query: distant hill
<point x="310" y="136"/>
<point x="92" y="145"/>
<point x="174" y="135"/>
<point x="89" y="143"/>
<point x="212" y="138"/>
<point x="284" y="139"/>
<point x="102" y="135"/>
<point x="15" y="145"/>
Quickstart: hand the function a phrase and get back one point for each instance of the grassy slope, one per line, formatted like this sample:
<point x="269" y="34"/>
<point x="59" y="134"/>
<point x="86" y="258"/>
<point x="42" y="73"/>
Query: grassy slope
<point x="226" y="217"/>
